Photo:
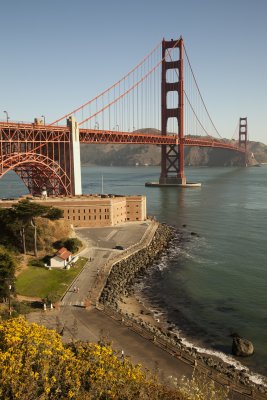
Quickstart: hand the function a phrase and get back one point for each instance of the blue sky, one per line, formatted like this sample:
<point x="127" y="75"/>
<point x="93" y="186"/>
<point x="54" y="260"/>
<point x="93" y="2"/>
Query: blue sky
<point x="57" y="54"/>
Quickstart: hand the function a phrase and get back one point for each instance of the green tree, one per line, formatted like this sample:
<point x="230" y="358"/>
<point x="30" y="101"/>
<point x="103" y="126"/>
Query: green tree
<point x="72" y="244"/>
<point x="59" y="243"/>
<point x="7" y="273"/>
<point x="18" y="221"/>
<point x="25" y="212"/>
<point x="54" y="213"/>
<point x="10" y="229"/>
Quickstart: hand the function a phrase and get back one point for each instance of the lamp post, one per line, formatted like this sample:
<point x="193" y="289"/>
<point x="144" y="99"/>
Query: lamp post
<point x="7" y="116"/>
<point x="42" y="116"/>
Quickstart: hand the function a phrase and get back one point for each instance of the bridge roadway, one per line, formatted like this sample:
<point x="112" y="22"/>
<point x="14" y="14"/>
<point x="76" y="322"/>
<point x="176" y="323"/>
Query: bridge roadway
<point x="91" y="323"/>
<point x="40" y="135"/>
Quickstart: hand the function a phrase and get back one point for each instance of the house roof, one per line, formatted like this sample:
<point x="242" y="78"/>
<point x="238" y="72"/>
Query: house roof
<point x="63" y="253"/>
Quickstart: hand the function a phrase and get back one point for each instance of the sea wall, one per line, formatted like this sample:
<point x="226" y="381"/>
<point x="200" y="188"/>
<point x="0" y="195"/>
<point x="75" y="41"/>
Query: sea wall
<point x="122" y="277"/>
<point x="125" y="273"/>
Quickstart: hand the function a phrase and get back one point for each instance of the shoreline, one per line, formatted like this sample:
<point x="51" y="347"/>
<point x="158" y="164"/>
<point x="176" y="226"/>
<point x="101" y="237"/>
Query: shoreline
<point x="121" y="297"/>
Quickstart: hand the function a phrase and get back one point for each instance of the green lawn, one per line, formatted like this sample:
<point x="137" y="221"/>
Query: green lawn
<point x="42" y="282"/>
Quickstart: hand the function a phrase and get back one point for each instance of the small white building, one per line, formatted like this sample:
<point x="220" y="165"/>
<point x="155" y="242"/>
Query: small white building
<point x="61" y="258"/>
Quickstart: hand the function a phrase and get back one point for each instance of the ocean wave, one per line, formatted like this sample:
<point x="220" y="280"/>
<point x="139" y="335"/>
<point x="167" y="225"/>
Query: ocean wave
<point x="254" y="377"/>
<point x="187" y="249"/>
<point x="228" y="359"/>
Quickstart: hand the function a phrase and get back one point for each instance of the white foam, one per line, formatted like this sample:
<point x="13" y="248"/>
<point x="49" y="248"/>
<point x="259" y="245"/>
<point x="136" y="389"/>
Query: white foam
<point x="254" y="377"/>
<point x="175" y="250"/>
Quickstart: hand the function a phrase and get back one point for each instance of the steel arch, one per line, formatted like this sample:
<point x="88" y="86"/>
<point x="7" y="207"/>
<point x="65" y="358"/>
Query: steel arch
<point x="38" y="171"/>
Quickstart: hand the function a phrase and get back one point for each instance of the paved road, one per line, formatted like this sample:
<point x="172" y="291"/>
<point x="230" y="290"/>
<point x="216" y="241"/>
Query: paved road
<point x="100" y="248"/>
<point x="76" y="322"/>
<point x="125" y="235"/>
<point x="92" y="324"/>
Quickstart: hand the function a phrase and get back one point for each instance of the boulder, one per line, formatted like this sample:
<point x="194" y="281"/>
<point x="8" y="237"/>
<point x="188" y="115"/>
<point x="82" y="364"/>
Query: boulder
<point x="242" y="347"/>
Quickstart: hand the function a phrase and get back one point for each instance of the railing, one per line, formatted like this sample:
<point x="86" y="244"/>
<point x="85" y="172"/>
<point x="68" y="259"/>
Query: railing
<point x="103" y="275"/>
<point x="211" y="373"/>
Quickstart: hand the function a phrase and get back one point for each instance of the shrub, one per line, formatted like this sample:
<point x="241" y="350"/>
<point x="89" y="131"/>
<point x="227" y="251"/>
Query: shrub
<point x="7" y="273"/>
<point x="35" y="364"/>
<point x="72" y="244"/>
<point x="36" y="263"/>
<point x="54" y="213"/>
<point x="59" y="243"/>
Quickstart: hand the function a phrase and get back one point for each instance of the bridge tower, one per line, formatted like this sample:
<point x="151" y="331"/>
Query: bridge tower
<point x="243" y="135"/>
<point x="172" y="156"/>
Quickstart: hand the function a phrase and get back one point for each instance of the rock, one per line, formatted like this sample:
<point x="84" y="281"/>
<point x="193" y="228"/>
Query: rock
<point x="242" y="347"/>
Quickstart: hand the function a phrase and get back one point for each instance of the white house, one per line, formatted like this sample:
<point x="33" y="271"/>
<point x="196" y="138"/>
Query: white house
<point x="61" y="258"/>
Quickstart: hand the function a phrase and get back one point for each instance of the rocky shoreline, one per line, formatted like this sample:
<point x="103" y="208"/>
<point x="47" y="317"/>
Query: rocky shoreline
<point x="120" y="284"/>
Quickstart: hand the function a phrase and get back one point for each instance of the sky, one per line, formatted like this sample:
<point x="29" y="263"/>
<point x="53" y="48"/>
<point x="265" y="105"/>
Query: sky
<point x="58" y="54"/>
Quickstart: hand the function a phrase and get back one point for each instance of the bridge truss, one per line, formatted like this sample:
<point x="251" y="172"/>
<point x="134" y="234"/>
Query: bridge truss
<point x="146" y="106"/>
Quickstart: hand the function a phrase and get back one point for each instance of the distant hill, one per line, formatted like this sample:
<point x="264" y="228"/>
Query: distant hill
<point x="131" y="155"/>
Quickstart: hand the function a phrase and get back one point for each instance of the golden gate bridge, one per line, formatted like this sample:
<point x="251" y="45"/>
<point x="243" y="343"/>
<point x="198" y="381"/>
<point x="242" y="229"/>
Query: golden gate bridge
<point x="158" y="102"/>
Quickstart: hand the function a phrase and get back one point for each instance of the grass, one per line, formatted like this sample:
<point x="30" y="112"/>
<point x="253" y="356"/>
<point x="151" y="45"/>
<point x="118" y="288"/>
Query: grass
<point x="42" y="282"/>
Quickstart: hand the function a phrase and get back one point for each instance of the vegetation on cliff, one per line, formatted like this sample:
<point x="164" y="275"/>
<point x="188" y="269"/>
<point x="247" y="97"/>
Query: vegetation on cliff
<point x="35" y="364"/>
<point x="28" y="227"/>
<point x="7" y="273"/>
<point x="20" y="227"/>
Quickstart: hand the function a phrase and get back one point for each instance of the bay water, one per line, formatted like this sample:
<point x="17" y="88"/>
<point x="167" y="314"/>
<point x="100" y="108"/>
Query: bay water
<point x="213" y="282"/>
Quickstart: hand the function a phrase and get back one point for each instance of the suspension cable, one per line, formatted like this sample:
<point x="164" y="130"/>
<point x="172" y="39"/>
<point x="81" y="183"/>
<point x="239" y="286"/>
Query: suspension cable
<point x="111" y="87"/>
<point x="131" y="88"/>
<point x="201" y="95"/>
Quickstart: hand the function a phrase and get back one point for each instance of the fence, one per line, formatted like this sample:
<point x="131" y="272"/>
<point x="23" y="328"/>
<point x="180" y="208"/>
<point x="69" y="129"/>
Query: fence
<point x="234" y="387"/>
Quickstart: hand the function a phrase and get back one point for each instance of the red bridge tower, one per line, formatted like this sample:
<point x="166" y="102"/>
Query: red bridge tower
<point x="172" y="156"/>
<point x="243" y="136"/>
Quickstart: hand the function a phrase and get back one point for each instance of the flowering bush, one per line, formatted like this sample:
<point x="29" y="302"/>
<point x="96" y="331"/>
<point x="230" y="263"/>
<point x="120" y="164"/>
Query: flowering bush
<point x="35" y="364"/>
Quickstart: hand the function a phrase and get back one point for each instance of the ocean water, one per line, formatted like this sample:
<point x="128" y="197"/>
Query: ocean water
<point x="212" y="283"/>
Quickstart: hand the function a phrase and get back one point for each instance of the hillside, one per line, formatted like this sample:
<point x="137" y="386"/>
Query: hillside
<point x="131" y="155"/>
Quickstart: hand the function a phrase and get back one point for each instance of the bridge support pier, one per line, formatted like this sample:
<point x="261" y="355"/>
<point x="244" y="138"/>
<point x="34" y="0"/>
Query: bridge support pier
<point x="75" y="158"/>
